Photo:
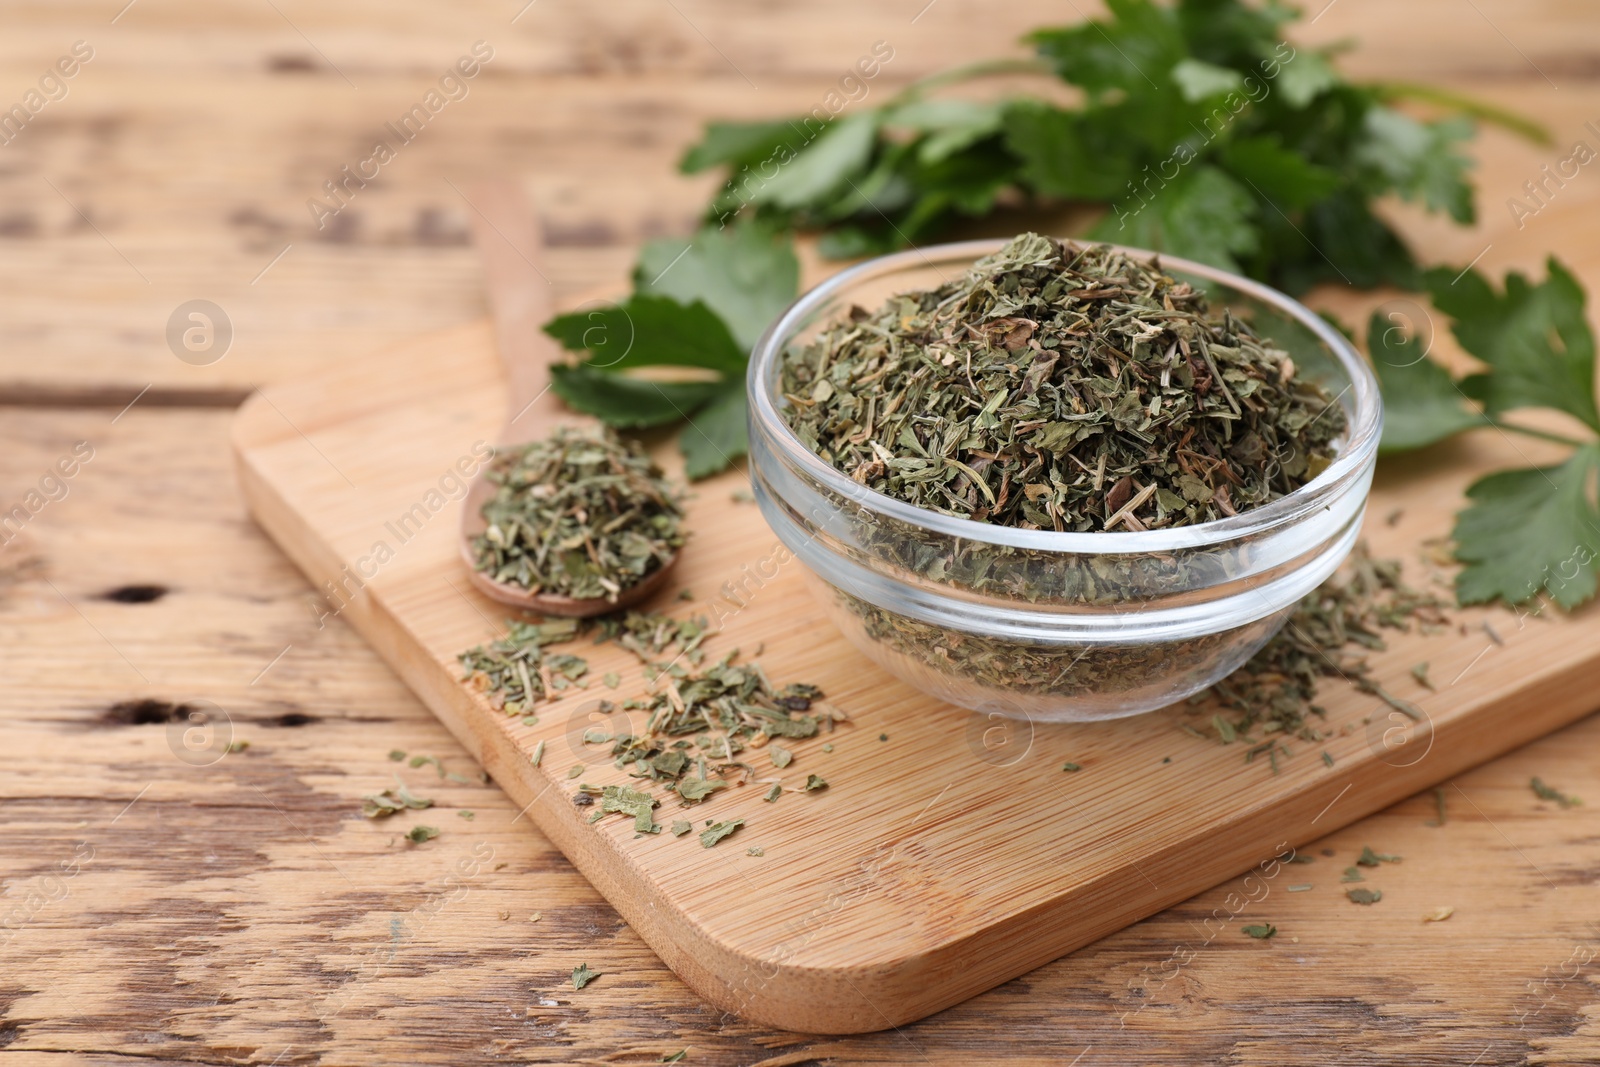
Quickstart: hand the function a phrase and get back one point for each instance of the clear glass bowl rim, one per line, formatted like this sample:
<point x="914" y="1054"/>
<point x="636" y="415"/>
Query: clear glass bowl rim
<point x="1364" y="431"/>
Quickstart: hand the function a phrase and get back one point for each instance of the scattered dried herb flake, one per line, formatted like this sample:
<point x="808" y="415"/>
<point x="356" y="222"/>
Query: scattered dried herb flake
<point x="1545" y="792"/>
<point x="717" y="831"/>
<point x="391" y="801"/>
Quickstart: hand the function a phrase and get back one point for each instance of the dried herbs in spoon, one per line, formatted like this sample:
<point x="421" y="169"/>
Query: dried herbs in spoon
<point x="579" y="514"/>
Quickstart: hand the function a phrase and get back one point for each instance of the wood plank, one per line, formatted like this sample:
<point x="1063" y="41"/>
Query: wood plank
<point x="195" y="137"/>
<point x="244" y="912"/>
<point x="189" y="949"/>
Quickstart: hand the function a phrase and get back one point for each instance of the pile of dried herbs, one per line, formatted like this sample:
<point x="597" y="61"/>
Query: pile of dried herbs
<point x="1274" y="694"/>
<point x="701" y="725"/>
<point x="579" y="514"/>
<point x="1060" y="386"/>
<point x="516" y="672"/>
<point x="649" y="634"/>
<point x="699" y="732"/>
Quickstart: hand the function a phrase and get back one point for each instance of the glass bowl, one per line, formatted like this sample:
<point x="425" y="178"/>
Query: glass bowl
<point x="1057" y="626"/>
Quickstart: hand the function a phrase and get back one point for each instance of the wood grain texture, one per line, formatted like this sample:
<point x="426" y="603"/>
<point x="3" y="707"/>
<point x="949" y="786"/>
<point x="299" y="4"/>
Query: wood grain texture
<point x="244" y="912"/>
<point x="183" y="159"/>
<point x="941" y="861"/>
<point x="217" y="929"/>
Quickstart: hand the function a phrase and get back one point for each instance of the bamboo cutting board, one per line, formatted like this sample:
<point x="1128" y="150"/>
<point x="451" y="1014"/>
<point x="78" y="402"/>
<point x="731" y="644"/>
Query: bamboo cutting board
<point x="946" y="859"/>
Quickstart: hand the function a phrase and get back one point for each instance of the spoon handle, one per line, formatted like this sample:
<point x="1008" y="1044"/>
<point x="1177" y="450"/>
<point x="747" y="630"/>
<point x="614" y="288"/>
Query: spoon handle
<point x="509" y="242"/>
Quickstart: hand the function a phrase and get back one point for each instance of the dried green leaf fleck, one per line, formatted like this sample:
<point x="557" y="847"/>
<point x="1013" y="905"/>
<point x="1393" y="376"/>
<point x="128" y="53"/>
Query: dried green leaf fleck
<point x="717" y="831"/>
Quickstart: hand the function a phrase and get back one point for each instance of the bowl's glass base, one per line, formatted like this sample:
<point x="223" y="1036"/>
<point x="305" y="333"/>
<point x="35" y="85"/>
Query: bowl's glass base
<point x="1043" y="683"/>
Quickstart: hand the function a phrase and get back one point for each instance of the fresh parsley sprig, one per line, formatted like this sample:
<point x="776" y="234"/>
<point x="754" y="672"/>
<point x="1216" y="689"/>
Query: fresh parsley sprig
<point x="1525" y="531"/>
<point x="697" y="308"/>
<point x="1202" y="131"/>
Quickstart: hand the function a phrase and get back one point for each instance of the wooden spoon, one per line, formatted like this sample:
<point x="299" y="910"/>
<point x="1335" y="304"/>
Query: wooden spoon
<point x="508" y="240"/>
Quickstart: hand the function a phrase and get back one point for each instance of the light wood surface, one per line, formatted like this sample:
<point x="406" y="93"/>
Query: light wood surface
<point x="219" y="925"/>
<point x="950" y="852"/>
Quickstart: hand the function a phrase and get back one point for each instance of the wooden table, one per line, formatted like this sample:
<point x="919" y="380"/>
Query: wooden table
<point x="243" y="911"/>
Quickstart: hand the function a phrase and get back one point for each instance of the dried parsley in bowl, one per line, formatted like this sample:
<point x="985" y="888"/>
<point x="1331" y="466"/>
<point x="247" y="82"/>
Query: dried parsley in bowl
<point x="579" y="514"/>
<point x="1055" y="481"/>
<point x="1060" y="386"/>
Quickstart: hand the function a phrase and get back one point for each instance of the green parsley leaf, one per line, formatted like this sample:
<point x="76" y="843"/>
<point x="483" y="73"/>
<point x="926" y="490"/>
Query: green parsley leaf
<point x="839" y="153"/>
<point x="1338" y="239"/>
<point x="1304" y="78"/>
<point x="1284" y="177"/>
<point x="718" y="433"/>
<point x="1139" y="41"/>
<point x="1261" y="931"/>
<point x="582" y="976"/>
<point x="420" y="833"/>
<point x="1422" y="404"/>
<point x="1198" y="80"/>
<point x="627" y="402"/>
<point x="1531" y="530"/>
<point x="696" y="303"/>
<point x="1063" y="155"/>
<point x="1167" y="89"/>
<point x="744" y="273"/>
<point x="1364" y="896"/>
<point x="736" y="144"/>
<point x="1202" y="215"/>
<point x="815" y="782"/>
<point x="1417" y="159"/>
<point x="1535" y="339"/>
<point x="647" y="330"/>
<point x="951" y="124"/>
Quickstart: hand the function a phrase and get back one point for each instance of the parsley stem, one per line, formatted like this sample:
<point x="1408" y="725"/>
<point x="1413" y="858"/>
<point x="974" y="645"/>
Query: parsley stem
<point x="966" y="72"/>
<point x="1543" y="435"/>
<point x="1477" y="109"/>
